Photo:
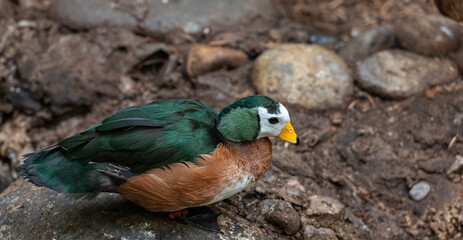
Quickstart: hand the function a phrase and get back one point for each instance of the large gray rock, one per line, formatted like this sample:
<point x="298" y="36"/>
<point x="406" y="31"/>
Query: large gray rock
<point x="399" y="74"/>
<point x="65" y="70"/>
<point x="29" y="212"/>
<point x="156" y="15"/>
<point x="308" y="75"/>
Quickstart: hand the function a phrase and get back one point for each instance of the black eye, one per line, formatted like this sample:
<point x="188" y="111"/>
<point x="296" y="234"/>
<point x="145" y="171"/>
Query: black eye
<point x="273" y="120"/>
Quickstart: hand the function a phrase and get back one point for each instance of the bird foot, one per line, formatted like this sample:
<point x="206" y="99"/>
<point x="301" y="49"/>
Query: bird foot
<point x="200" y="217"/>
<point x="178" y="213"/>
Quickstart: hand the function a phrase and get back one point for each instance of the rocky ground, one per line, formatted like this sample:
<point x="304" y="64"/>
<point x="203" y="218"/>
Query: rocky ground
<point x="373" y="88"/>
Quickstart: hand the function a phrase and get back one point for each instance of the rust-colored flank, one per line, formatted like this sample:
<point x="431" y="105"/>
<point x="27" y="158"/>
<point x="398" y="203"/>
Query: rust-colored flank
<point x="223" y="172"/>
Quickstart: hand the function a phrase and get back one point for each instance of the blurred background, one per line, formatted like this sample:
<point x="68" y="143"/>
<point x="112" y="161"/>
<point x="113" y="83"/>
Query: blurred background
<point x="373" y="88"/>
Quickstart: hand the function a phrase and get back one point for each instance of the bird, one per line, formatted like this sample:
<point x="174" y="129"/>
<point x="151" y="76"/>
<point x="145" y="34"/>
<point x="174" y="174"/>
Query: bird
<point x="168" y="155"/>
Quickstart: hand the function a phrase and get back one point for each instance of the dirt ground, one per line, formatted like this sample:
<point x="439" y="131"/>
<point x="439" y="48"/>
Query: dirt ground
<point x="367" y="155"/>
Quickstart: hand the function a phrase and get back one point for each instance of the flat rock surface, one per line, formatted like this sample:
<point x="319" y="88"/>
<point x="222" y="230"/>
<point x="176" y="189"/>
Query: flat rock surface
<point x="156" y="15"/>
<point x="399" y="74"/>
<point x="308" y="75"/>
<point x="29" y="212"/>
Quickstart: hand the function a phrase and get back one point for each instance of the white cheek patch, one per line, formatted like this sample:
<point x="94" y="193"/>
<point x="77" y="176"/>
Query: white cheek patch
<point x="272" y="130"/>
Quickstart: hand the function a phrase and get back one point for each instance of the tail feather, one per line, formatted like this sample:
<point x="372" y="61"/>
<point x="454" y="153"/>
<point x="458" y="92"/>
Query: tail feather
<point x="51" y="168"/>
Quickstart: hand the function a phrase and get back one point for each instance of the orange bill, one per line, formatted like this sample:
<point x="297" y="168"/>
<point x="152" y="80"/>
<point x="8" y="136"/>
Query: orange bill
<point x="289" y="134"/>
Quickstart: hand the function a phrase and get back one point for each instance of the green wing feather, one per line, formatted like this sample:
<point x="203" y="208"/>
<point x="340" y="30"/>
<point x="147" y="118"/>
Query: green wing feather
<point x="149" y="136"/>
<point x="140" y="138"/>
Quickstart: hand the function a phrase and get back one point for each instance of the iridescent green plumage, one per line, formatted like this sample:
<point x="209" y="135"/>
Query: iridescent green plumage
<point x="137" y="139"/>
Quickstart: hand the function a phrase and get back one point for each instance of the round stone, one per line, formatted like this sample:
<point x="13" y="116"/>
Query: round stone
<point x="429" y="35"/>
<point x="312" y="233"/>
<point x="419" y="191"/>
<point x="398" y="74"/>
<point x="282" y="214"/>
<point x="308" y="75"/>
<point x="202" y="59"/>
<point x="367" y="43"/>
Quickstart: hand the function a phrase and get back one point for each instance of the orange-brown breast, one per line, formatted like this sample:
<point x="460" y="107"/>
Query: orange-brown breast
<point x="216" y="176"/>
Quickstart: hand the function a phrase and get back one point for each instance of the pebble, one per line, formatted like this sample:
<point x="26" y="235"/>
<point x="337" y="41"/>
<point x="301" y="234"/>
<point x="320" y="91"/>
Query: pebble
<point x="419" y="191"/>
<point x="297" y="36"/>
<point x="154" y="16"/>
<point x="312" y="233"/>
<point x="336" y="118"/>
<point x="281" y="214"/>
<point x="451" y="8"/>
<point x="202" y="59"/>
<point x="367" y="43"/>
<point x="321" y="205"/>
<point x="322" y="39"/>
<point x="430" y="35"/>
<point x="454" y="171"/>
<point x="23" y="100"/>
<point x="308" y="75"/>
<point x="399" y="74"/>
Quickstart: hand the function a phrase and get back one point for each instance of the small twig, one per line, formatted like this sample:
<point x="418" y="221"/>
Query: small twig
<point x="352" y="104"/>
<point x="452" y="142"/>
<point x="371" y="100"/>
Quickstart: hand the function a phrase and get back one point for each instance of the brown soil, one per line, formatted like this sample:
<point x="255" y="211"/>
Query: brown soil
<point x="367" y="156"/>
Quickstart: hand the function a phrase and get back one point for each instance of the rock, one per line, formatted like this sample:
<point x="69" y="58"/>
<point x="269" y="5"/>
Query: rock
<point x="64" y="70"/>
<point x="281" y="214"/>
<point x="437" y="165"/>
<point x="451" y="8"/>
<point x="203" y="59"/>
<point x="322" y="39"/>
<point x="309" y="75"/>
<point x="455" y="170"/>
<point x="312" y="233"/>
<point x="89" y="14"/>
<point x="367" y="43"/>
<point x="457" y="57"/>
<point x="325" y="210"/>
<point x="336" y="118"/>
<point x="48" y="215"/>
<point x="154" y="16"/>
<point x="429" y="35"/>
<point x="6" y="9"/>
<point x="398" y="74"/>
<point x="297" y="36"/>
<point x="22" y="100"/>
<point x="419" y="191"/>
<point x="5" y="176"/>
